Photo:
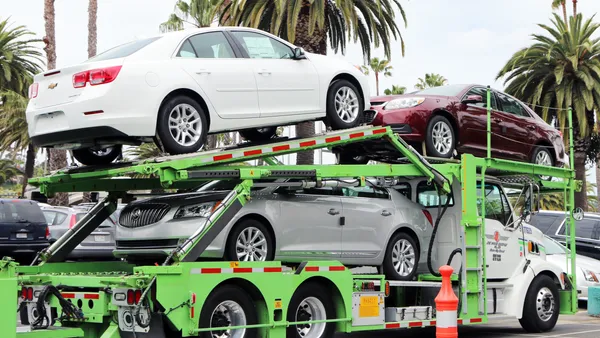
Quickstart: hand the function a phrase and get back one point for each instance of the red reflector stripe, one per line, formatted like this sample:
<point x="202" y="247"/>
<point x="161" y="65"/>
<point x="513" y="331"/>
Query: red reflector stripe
<point x="245" y="270"/>
<point x="379" y="131"/>
<point x="337" y="268"/>
<point x="333" y="139"/>
<point x="68" y="295"/>
<point x="253" y="152"/>
<point x="91" y="296"/>
<point x="476" y="320"/>
<point x="281" y="148"/>
<point x="308" y="143"/>
<point x="415" y="324"/>
<point x="432" y="323"/>
<point x="210" y="270"/>
<point x="392" y="326"/>
<point x="459" y="322"/>
<point x="273" y="270"/>
<point x="222" y="157"/>
<point x="355" y="135"/>
<point x="311" y="268"/>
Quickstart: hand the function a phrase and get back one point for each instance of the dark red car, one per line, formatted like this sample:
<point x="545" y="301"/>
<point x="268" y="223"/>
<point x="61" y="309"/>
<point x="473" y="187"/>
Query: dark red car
<point x="452" y="119"/>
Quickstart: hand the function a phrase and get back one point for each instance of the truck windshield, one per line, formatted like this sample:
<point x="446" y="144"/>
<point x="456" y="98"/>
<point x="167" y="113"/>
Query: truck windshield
<point x="553" y="248"/>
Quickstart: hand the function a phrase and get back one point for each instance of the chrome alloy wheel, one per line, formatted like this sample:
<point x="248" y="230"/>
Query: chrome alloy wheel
<point x="185" y="124"/>
<point x="346" y="104"/>
<point x="545" y="304"/>
<point x="543" y="158"/>
<point x="403" y="257"/>
<point x="228" y="313"/>
<point x="309" y="309"/>
<point x="251" y="245"/>
<point x="442" y="137"/>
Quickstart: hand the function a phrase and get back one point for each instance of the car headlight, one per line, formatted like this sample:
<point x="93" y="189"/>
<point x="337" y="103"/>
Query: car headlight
<point x="195" y="210"/>
<point x="589" y="276"/>
<point x="408" y="102"/>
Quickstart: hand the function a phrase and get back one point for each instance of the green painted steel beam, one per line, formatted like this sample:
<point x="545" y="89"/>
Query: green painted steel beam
<point x="52" y="332"/>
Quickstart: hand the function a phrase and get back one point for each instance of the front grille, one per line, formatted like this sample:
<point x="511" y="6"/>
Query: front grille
<point x="136" y="216"/>
<point x="368" y="116"/>
<point x="150" y="243"/>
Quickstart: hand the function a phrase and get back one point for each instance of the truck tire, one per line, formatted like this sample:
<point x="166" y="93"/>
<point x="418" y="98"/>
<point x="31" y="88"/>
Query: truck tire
<point x="311" y="302"/>
<point x="542" y="305"/>
<point x="228" y="305"/>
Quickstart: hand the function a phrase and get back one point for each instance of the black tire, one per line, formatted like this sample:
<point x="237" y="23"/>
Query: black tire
<point x="531" y="321"/>
<point x="222" y="294"/>
<point x="388" y="261"/>
<point x="333" y="119"/>
<point x="345" y="158"/>
<point x="258" y="134"/>
<point x="429" y="143"/>
<point x="306" y="291"/>
<point x="231" y="251"/>
<point x="24" y="316"/>
<point x="88" y="156"/>
<point x="163" y="126"/>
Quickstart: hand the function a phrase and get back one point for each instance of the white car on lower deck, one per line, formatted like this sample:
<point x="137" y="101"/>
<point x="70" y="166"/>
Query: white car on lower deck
<point x="179" y="87"/>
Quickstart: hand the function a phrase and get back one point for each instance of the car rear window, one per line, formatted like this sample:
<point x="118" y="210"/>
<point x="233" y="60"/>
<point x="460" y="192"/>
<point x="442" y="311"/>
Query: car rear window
<point x="123" y="50"/>
<point x="16" y="211"/>
<point x="54" y="217"/>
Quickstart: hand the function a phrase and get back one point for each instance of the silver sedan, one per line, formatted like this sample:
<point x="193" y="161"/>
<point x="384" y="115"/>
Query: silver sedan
<point x="359" y="226"/>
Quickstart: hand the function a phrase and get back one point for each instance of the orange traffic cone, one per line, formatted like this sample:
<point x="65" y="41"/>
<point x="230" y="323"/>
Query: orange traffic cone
<point x="446" y="304"/>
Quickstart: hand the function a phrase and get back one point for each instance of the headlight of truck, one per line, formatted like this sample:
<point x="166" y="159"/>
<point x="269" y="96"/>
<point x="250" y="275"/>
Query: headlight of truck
<point x="589" y="276"/>
<point x="408" y="102"/>
<point x="195" y="210"/>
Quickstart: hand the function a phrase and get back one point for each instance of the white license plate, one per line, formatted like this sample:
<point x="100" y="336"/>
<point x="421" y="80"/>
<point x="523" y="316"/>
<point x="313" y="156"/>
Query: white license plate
<point x="99" y="238"/>
<point x="21" y="235"/>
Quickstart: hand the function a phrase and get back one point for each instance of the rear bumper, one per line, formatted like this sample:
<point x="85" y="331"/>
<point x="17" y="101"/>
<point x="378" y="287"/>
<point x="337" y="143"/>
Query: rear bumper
<point x="83" y="136"/>
<point x="8" y="247"/>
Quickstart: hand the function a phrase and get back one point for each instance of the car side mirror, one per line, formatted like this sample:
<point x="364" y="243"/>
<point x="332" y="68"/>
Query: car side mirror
<point x="299" y="54"/>
<point x="578" y="214"/>
<point x="470" y="99"/>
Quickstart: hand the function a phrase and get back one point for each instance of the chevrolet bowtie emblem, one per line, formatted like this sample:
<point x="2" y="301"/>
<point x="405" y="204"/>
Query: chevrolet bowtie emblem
<point x="52" y="85"/>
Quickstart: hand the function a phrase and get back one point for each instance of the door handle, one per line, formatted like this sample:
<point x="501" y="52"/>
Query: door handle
<point x="202" y="72"/>
<point x="264" y="72"/>
<point x="333" y="212"/>
<point x="386" y="213"/>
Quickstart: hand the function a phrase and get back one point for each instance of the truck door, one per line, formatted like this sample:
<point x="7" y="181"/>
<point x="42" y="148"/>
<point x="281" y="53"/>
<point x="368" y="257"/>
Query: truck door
<point x="502" y="241"/>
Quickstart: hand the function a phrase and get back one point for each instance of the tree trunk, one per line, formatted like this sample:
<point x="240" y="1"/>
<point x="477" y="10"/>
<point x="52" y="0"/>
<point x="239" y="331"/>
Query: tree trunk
<point x="574" y="8"/>
<point x="581" y="197"/>
<point x="211" y="142"/>
<point x="92" y="29"/>
<point x="377" y="82"/>
<point x="29" y="167"/>
<point x="564" y="8"/>
<point x="313" y="43"/>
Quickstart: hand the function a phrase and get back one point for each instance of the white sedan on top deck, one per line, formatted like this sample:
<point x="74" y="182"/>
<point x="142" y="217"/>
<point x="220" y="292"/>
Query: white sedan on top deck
<point x="179" y="87"/>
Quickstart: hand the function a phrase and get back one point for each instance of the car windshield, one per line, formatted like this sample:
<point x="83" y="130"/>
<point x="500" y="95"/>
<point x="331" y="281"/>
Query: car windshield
<point x="553" y="248"/>
<point x="123" y="50"/>
<point x="21" y="211"/>
<point x="450" y="90"/>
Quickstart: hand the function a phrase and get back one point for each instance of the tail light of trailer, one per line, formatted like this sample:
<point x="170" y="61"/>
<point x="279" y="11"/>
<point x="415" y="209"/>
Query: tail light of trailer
<point x="27" y="293"/>
<point x="138" y="296"/>
<point x="33" y="90"/>
<point x="368" y="286"/>
<point x="387" y="288"/>
<point x="192" y="303"/>
<point x="428" y="216"/>
<point x="96" y="76"/>
<point x="130" y="297"/>
<point x="73" y="221"/>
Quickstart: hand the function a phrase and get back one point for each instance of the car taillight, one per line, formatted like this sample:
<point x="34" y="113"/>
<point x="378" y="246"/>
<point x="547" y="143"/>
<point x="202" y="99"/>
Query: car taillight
<point x="96" y="76"/>
<point x="73" y="221"/>
<point x="47" y="232"/>
<point x="33" y="90"/>
<point x="428" y="216"/>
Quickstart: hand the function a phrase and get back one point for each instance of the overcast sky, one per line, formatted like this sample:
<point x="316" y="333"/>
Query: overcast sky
<point x="467" y="41"/>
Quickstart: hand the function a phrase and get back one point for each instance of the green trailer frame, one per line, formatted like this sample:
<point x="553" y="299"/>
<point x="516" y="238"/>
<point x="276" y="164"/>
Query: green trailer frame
<point x="181" y="285"/>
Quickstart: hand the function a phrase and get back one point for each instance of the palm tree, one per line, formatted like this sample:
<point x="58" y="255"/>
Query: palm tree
<point x="380" y="66"/>
<point x="308" y="23"/>
<point x="561" y="70"/>
<point x="57" y="157"/>
<point x="431" y="80"/>
<point x="92" y="28"/>
<point x="563" y="4"/>
<point x="13" y="130"/>
<point x="145" y="151"/>
<point x="8" y="170"/>
<point x="574" y="7"/>
<point x="396" y="90"/>
<point x="19" y="59"/>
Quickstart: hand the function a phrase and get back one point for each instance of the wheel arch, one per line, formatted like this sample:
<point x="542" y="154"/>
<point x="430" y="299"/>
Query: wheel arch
<point x="407" y="230"/>
<point x="543" y="143"/>
<point x="522" y="284"/>
<point x="191" y="94"/>
<point x="351" y="79"/>
<point x="451" y="118"/>
<point x="338" y="300"/>
<point x="259" y="218"/>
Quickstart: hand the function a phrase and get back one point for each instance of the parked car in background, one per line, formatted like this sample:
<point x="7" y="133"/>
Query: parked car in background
<point x="23" y="228"/>
<point x="368" y="226"/>
<point x="452" y="120"/>
<point x="194" y="83"/>
<point x="587" y="269"/>
<point x="99" y="244"/>
<point x="587" y="233"/>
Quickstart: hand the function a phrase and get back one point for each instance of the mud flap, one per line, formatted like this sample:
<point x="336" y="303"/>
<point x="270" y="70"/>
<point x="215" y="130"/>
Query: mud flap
<point x="157" y="329"/>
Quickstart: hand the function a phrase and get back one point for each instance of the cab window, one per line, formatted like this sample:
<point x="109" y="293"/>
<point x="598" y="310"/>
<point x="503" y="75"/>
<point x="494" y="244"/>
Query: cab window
<point x="496" y="204"/>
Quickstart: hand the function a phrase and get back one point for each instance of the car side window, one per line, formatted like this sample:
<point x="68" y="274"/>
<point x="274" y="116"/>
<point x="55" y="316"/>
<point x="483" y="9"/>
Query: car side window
<point x="511" y="106"/>
<point x="212" y="45"/>
<point x="428" y="196"/>
<point x="483" y="93"/>
<point x="496" y="204"/>
<point x="586" y="228"/>
<point x="543" y="222"/>
<point x="259" y="46"/>
<point x="366" y="191"/>
<point x="405" y="189"/>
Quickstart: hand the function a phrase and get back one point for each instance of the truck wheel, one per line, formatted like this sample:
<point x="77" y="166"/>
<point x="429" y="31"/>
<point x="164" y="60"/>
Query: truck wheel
<point x="228" y="305"/>
<point x="311" y="302"/>
<point x="250" y="241"/>
<point x="542" y="304"/>
<point x="401" y="258"/>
